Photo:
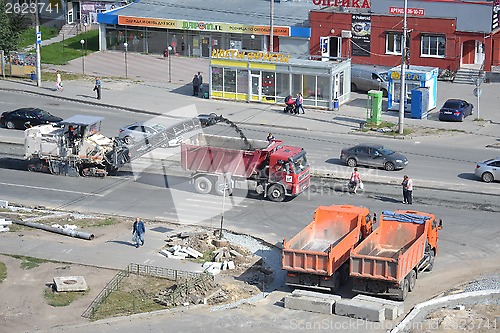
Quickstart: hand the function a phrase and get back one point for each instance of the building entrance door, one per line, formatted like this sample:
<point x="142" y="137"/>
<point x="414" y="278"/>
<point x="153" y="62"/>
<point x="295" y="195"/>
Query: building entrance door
<point x="205" y="46"/>
<point x="479" y="56"/>
<point x="256" y="91"/>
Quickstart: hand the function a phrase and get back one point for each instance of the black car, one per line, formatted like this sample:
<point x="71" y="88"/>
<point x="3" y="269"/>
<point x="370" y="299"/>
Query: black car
<point x="373" y="155"/>
<point x="208" y="119"/>
<point x="27" y="117"/>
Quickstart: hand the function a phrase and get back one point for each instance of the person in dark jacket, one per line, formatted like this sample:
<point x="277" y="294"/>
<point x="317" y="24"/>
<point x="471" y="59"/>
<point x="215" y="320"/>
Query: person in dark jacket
<point x="138" y="230"/>
<point x="196" y="85"/>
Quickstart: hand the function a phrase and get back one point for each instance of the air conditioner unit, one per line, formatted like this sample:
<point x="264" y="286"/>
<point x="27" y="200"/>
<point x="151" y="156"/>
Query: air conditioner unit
<point x="346" y="34"/>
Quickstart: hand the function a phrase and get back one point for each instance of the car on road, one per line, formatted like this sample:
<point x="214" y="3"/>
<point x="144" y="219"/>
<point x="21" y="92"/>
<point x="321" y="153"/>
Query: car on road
<point x="150" y="134"/>
<point x="27" y="117"/>
<point x="455" y="110"/>
<point x="488" y="170"/>
<point x="373" y="155"/>
<point x="208" y="119"/>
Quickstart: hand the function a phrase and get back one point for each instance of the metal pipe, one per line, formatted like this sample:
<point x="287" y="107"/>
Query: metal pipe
<point x="66" y="232"/>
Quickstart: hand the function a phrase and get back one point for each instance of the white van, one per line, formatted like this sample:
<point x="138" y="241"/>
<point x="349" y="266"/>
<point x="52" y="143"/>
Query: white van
<point x="370" y="77"/>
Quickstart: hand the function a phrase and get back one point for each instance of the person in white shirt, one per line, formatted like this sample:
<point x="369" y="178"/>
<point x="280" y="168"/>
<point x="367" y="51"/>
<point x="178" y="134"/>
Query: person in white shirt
<point x="409" y="190"/>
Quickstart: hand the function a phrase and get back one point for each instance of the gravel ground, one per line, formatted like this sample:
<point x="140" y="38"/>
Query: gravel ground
<point x="485" y="283"/>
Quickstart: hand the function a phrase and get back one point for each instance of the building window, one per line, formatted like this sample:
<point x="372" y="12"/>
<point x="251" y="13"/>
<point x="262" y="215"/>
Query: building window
<point x="433" y="46"/>
<point x="393" y="42"/>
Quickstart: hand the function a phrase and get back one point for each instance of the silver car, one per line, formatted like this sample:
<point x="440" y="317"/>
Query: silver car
<point x="488" y="170"/>
<point x="150" y="134"/>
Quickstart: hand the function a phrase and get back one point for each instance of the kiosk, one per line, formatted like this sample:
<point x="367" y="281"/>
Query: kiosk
<point x="270" y="77"/>
<point x="415" y="77"/>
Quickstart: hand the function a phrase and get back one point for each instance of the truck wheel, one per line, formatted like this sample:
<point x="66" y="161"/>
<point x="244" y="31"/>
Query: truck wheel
<point x="219" y="189"/>
<point x="412" y="278"/>
<point x="344" y="273"/>
<point x="431" y="261"/>
<point x="335" y="282"/>
<point x="203" y="185"/>
<point x="276" y="193"/>
<point x="404" y="290"/>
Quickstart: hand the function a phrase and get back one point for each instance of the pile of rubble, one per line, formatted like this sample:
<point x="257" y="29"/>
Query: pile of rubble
<point x="200" y="244"/>
<point x="4" y="225"/>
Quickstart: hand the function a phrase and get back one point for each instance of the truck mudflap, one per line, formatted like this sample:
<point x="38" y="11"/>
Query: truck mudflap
<point x="321" y="282"/>
<point x="376" y="287"/>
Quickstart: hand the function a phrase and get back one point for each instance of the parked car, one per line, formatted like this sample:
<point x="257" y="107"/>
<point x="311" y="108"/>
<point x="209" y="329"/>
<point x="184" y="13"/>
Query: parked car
<point x="373" y="155"/>
<point x="370" y="77"/>
<point x="27" y="117"/>
<point x="455" y="110"/>
<point x="150" y="133"/>
<point x="208" y="119"/>
<point x="488" y="170"/>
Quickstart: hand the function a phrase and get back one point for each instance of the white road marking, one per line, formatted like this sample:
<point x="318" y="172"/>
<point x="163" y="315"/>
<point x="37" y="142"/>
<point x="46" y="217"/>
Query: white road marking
<point x="52" y="189"/>
<point x="214" y="202"/>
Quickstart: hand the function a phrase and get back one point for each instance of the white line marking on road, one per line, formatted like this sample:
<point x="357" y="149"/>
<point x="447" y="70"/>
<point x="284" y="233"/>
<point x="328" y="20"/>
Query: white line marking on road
<point x="213" y="202"/>
<point x="52" y="189"/>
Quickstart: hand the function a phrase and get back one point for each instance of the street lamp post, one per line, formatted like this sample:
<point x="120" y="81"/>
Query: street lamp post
<point x="83" y="57"/>
<point x="253" y="39"/>
<point x="169" y="64"/>
<point x="126" y="64"/>
<point x="85" y="34"/>
<point x="402" y="93"/>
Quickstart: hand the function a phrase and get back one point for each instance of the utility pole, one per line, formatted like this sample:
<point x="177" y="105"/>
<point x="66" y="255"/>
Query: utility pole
<point x="38" y="55"/>
<point x="402" y="93"/>
<point x="271" y="26"/>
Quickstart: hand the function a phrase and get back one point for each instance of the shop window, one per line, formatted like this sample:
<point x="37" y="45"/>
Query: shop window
<point x="310" y="88"/>
<point x="229" y="80"/>
<point x="242" y="81"/>
<point x="217" y="79"/>
<point x="324" y="87"/>
<point x="268" y="85"/>
<point x="282" y="85"/>
<point x="433" y="46"/>
<point x="297" y="84"/>
<point x="393" y="42"/>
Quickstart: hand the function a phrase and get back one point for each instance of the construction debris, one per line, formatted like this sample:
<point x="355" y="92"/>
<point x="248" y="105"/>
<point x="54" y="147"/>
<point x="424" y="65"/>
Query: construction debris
<point x="180" y="252"/>
<point x="196" y="290"/>
<point x="4" y="225"/>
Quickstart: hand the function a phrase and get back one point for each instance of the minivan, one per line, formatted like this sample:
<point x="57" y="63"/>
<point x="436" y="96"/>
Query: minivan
<point x="370" y="77"/>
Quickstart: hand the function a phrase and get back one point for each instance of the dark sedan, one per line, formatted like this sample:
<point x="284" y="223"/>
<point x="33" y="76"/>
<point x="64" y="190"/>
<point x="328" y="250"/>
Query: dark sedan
<point x="27" y="117"/>
<point x="373" y="155"/>
<point x="208" y="119"/>
<point x="455" y="110"/>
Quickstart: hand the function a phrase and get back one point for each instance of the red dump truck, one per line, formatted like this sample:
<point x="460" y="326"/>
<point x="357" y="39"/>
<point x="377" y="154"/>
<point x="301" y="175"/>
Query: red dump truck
<point x="220" y="163"/>
<point x="318" y="256"/>
<point x="389" y="260"/>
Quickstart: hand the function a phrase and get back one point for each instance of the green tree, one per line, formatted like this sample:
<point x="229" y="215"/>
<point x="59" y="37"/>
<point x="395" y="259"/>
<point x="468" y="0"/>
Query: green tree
<point x="11" y="26"/>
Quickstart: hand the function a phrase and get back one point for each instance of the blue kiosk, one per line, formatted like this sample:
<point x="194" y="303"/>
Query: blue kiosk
<point x="421" y="89"/>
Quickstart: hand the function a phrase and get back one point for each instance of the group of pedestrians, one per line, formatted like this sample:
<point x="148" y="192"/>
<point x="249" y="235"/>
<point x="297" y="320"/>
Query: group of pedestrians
<point x="293" y="106"/>
<point x="97" y="85"/>
<point x="197" y="84"/>
<point x="355" y="183"/>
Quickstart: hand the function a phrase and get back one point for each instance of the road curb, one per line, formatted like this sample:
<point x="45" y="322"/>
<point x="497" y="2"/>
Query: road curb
<point x="405" y="323"/>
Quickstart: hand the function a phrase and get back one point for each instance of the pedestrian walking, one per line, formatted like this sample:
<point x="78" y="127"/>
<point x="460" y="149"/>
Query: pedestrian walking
<point x="59" y="86"/>
<point x="355" y="180"/>
<point x="270" y="138"/>
<point x="200" y="78"/>
<point x="298" y="104"/>
<point x="404" y="183"/>
<point x="409" y="190"/>
<point x="97" y="87"/>
<point x="138" y="231"/>
<point x="196" y="85"/>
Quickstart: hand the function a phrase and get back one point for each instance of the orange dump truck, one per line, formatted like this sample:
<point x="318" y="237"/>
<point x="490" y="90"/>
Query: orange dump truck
<point x="389" y="260"/>
<point x="318" y="256"/>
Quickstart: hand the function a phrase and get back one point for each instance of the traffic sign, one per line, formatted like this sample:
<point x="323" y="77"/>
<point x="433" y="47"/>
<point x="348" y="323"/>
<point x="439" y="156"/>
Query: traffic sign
<point x="39" y="38"/>
<point x="477" y="92"/>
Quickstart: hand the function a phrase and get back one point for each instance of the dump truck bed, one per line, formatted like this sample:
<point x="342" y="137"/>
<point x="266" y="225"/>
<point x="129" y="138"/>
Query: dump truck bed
<point x="221" y="154"/>
<point x="324" y="245"/>
<point x="391" y="251"/>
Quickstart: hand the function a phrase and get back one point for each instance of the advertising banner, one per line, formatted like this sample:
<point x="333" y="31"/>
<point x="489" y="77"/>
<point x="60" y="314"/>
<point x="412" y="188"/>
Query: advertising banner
<point x="361" y="32"/>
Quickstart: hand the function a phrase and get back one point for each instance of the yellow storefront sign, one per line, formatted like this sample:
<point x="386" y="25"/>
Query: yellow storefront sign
<point x="282" y="31"/>
<point x="244" y="55"/>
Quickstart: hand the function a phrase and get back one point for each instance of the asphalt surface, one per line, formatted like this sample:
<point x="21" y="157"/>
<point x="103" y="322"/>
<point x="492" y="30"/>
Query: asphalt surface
<point x="152" y="95"/>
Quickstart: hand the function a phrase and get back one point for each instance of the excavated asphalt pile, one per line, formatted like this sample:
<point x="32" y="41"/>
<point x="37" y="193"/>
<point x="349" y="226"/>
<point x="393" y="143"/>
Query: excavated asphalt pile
<point x="485" y="283"/>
